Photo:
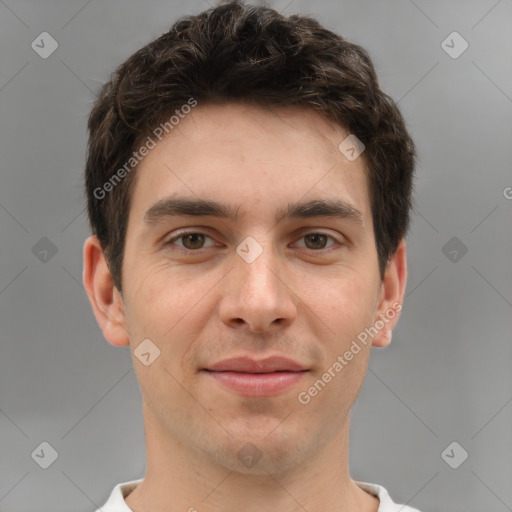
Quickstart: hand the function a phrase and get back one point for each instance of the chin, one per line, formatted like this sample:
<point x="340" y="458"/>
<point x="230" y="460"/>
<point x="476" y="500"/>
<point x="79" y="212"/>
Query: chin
<point x="259" y="452"/>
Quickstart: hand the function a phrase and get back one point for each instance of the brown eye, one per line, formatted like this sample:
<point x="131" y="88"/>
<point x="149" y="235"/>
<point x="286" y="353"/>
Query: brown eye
<point x="317" y="240"/>
<point x="191" y="241"/>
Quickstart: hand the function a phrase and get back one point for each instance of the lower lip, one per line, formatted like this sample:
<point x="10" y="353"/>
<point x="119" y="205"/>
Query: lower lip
<point x="257" y="384"/>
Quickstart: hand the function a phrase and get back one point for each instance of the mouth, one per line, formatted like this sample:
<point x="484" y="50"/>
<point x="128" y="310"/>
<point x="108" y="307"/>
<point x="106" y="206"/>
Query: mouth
<point x="263" y="378"/>
<point x="257" y="384"/>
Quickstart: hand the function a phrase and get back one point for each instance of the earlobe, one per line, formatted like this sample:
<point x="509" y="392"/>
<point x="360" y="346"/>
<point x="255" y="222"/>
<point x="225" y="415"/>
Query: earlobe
<point x="391" y="296"/>
<point x="105" y="299"/>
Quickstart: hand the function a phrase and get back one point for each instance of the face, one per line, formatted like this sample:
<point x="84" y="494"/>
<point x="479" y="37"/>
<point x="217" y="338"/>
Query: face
<point x="273" y="280"/>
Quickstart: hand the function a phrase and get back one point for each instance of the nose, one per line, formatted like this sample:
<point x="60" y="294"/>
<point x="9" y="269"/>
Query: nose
<point x="257" y="296"/>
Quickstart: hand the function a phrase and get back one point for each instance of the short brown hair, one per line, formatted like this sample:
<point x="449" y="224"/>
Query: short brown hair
<point x="238" y="52"/>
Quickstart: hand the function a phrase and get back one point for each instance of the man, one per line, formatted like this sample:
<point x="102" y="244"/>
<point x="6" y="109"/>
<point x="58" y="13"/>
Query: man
<point x="248" y="188"/>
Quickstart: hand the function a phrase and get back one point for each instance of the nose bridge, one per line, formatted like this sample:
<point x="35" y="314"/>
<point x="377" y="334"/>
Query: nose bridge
<point x="258" y="265"/>
<point x="257" y="294"/>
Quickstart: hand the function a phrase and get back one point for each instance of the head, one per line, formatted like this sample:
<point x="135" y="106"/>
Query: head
<point x="248" y="109"/>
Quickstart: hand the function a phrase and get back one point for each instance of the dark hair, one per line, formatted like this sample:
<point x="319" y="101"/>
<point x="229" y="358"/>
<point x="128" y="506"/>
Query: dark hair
<point x="237" y="52"/>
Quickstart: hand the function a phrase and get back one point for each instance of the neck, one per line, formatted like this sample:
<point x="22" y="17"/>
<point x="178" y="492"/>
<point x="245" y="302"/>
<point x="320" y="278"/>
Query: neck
<point x="180" y="478"/>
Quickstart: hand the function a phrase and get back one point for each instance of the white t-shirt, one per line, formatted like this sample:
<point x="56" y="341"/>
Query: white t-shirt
<point x="116" y="501"/>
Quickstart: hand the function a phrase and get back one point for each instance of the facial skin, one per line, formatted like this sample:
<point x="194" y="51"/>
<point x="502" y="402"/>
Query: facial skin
<point x="306" y="298"/>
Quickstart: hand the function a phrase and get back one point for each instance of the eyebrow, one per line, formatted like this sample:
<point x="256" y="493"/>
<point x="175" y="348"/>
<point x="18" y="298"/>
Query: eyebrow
<point x="174" y="206"/>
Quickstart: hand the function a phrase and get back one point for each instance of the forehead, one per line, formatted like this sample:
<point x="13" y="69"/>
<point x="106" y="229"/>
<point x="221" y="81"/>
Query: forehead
<point x="250" y="157"/>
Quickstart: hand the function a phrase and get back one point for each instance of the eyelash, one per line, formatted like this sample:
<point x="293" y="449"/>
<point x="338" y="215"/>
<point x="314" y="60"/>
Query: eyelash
<point x="185" y="233"/>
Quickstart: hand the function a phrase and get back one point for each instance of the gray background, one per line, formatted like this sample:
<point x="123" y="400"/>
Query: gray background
<point x="446" y="376"/>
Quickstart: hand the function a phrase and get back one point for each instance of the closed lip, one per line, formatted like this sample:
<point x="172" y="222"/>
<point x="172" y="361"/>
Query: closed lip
<point x="246" y="364"/>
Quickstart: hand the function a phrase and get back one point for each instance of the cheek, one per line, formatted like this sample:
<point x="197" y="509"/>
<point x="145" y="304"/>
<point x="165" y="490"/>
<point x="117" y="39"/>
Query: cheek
<point x="165" y="311"/>
<point x="346" y="304"/>
<point x="160" y="297"/>
<point x="170" y="308"/>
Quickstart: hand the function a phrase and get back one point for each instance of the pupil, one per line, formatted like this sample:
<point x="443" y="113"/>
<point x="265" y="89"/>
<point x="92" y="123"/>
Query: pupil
<point x="316" y="236"/>
<point x="195" y="236"/>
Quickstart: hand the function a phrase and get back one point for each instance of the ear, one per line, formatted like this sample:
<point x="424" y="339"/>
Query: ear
<point x="106" y="301"/>
<point x="391" y="296"/>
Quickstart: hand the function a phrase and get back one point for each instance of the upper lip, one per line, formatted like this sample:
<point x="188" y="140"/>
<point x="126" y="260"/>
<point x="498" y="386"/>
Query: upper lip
<point x="249" y="365"/>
